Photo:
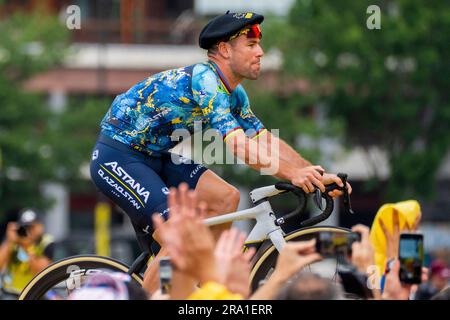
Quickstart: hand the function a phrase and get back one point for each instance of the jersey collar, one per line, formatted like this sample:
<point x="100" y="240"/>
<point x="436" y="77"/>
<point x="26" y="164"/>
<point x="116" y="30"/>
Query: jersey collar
<point x="221" y="77"/>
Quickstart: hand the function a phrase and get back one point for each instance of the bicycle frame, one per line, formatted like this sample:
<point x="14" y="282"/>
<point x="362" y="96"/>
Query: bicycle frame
<point x="263" y="214"/>
<point x="267" y="227"/>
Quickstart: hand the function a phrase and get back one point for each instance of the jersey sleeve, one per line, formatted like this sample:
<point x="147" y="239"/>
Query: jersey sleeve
<point x="248" y="121"/>
<point x="213" y="101"/>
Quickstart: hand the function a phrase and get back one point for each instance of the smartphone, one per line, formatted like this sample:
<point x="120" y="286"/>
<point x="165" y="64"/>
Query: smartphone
<point x="165" y="274"/>
<point x="411" y="257"/>
<point x="333" y="243"/>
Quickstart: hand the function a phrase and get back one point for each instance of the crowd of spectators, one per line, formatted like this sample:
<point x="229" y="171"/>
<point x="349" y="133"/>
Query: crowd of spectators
<point x="205" y="269"/>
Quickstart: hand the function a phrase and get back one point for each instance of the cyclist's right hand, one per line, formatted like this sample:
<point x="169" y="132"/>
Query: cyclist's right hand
<point x="308" y="178"/>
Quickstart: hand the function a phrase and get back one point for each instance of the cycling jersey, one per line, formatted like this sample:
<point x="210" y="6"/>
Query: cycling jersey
<point x="131" y="164"/>
<point x="147" y="114"/>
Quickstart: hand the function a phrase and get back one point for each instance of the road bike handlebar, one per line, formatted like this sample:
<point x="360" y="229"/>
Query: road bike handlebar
<point x="318" y="195"/>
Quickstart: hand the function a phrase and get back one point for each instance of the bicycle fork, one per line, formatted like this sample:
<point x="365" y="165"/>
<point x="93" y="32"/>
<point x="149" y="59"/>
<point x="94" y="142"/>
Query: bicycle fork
<point x="266" y="227"/>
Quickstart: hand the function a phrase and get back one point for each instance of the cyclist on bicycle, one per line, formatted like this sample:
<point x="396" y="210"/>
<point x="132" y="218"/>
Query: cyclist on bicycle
<point x="131" y="163"/>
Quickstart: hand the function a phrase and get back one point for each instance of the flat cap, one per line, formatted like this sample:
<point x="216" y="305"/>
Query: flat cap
<point x="225" y="26"/>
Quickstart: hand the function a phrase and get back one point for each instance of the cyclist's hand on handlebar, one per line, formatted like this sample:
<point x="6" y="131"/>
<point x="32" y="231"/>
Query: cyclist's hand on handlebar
<point x="308" y="178"/>
<point x="329" y="178"/>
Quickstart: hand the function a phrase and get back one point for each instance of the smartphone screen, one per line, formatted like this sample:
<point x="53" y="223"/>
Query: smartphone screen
<point x="411" y="257"/>
<point x="165" y="274"/>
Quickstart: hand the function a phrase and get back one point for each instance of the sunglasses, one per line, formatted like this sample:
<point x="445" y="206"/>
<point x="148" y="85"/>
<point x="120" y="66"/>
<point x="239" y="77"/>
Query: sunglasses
<point x="253" y="31"/>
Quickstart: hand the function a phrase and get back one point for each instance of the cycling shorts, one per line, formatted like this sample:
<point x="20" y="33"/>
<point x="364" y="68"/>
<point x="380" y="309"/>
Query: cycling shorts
<point x="138" y="183"/>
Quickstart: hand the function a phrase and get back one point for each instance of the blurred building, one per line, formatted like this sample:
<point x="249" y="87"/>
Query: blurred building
<point x="121" y="42"/>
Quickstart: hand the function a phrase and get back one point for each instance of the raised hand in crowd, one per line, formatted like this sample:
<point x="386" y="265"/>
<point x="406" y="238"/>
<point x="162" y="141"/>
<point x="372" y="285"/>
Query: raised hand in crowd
<point x="190" y="245"/>
<point x="394" y="289"/>
<point x="363" y="254"/>
<point x="393" y="238"/>
<point x="233" y="264"/>
<point x="293" y="258"/>
<point x="188" y="241"/>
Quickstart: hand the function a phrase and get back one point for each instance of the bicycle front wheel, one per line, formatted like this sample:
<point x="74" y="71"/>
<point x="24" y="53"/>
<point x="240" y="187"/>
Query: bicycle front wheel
<point x="265" y="263"/>
<point x="63" y="276"/>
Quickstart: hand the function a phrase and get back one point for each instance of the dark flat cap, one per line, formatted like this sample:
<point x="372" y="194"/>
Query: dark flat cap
<point x="226" y="25"/>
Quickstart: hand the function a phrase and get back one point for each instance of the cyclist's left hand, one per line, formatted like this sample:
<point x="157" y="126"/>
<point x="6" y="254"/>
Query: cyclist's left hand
<point x="329" y="178"/>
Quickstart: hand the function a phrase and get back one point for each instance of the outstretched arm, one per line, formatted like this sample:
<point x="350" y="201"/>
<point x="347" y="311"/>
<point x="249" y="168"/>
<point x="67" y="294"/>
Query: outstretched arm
<point x="270" y="161"/>
<point x="286" y="151"/>
<point x="293" y="257"/>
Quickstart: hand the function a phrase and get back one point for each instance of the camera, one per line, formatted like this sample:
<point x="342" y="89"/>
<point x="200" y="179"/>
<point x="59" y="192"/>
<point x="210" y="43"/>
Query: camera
<point x="22" y="231"/>
<point x="335" y="244"/>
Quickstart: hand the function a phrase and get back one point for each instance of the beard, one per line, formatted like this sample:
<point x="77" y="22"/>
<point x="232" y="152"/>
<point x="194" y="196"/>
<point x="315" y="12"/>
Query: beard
<point x="252" y="73"/>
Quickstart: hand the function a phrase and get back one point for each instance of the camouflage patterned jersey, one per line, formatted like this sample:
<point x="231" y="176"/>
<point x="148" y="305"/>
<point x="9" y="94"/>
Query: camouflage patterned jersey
<point x="146" y="115"/>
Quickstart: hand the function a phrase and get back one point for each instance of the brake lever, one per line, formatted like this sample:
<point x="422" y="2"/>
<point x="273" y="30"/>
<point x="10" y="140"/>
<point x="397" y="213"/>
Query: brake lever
<point x="318" y="195"/>
<point x="347" y="202"/>
<point x="318" y="198"/>
<point x="334" y="186"/>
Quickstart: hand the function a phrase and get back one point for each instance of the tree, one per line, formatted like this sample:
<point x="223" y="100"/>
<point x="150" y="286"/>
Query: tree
<point x="38" y="145"/>
<point x="388" y="86"/>
<point x="28" y="44"/>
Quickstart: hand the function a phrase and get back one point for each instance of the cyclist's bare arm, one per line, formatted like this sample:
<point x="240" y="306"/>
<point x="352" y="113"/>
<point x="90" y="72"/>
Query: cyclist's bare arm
<point x="260" y="157"/>
<point x="286" y="151"/>
<point x="289" y="154"/>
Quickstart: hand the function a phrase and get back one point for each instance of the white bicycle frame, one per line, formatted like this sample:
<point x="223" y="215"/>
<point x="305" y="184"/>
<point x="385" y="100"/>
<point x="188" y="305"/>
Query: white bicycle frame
<point x="263" y="214"/>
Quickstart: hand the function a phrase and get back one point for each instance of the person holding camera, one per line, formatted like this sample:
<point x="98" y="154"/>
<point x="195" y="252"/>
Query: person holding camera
<point x="25" y="251"/>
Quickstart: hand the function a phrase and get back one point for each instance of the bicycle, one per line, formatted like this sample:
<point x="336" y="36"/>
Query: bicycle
<point x="266" y="235"/>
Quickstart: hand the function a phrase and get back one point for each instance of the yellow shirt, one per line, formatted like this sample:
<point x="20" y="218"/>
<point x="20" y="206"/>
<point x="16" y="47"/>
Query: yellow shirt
<point x="214" y="291"/>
